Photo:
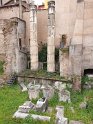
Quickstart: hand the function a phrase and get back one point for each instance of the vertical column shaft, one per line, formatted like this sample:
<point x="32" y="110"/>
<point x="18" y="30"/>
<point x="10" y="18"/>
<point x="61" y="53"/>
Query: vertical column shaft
<point x="33" y="38"/>
<point x="20" y="9"/>
<point x="51" y="37"/>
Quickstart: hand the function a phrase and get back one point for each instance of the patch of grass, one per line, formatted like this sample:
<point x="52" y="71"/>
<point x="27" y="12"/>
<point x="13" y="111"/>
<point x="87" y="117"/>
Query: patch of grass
<point x="85" y="115"/>
<point x="54" y="101"/>
<point x="11" y="98"/>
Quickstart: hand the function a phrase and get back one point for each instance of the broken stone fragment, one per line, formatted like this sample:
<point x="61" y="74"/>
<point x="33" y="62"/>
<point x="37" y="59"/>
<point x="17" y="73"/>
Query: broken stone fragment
<point x="42" y="105"/>
<point x="64" y="96"/>
<point x="63" y="120"/>
<point x="72" y="109"/>
<point x="18" y="114"/>
<point x="48" y="92"/>
<point x="60" y="112"/>
<point x="83" y="105"/>
<point x="60" y="119"/>
<point x="24" y="109"/>
<point x="33" y="91"/>
<point x="29" y="85"/>
<point x="39" y="117"/>
<point x="75" y="122"/>
<point x="29" y="104"/>
<point x="57" y="84"/>
<point x="24" y="88"/>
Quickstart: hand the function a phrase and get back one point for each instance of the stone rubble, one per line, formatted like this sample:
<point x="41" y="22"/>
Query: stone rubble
<point x="60" y="119"/>
<point x="75" y="122"/>
<point x="83" y="105"/>
<point x="59" y="85"/>
<point x="88" y="85"/>
<point x="18" y="114"/>
<point x="64" y="96"/>
<point x="72" y="109"/>
<point x="39" y="117"/>
<point x="26" y="107"/>
<point x="42" y="105"/>
<point x="24" y="88"/>
<point x="33" y="91"/>
<point x="48" y="92"/>
<point x="60" y="111"/>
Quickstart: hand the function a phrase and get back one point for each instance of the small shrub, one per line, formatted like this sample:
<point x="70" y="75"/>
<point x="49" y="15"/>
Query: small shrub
<point x="1" y="67"/>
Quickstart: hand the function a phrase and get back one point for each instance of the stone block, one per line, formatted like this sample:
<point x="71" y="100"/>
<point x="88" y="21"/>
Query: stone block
<point x="48" y="92"/>
<point x="20" y="115"/>
<point x="75" y="122"/>
<point x="24" y="109"/>
<point x="64" y="96"/>
<point x="57" y="84"/>
<point x="33" y="93"/>
<point x="63" y="120"/>
<point x="60" y="112"/>
<point x="60" y="86"/>
<point x="42" y="105"/>
<point x="29" y="104"/>
<point x="24" y="88"/>
<point x="39" y="117"/>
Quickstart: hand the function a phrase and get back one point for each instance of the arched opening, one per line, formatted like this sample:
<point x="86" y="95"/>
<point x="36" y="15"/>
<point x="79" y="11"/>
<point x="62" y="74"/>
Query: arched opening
<point x="88" y="72"/>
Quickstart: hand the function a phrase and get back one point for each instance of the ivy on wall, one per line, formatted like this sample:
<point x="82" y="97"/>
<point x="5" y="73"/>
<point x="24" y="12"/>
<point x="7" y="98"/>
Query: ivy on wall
<point x="43" y="54"/>
<point x="1" y="67"/>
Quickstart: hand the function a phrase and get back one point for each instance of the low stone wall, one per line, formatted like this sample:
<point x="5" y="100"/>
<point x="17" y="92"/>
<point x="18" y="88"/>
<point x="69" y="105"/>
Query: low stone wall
<point x="36" y="80"/>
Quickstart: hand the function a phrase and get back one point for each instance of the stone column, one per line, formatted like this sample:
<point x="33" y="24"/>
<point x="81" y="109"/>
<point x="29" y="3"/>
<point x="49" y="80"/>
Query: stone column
<point x="33" y="37"/>
<point x="20" y="9"/>
<point x="51" y="37"/>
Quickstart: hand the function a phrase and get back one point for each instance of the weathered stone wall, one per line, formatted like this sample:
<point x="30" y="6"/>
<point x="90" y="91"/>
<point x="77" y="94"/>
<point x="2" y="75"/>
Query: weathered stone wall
<point x="21" y="54"/>
<point x="81" y="55"/>
<point x="65" y="17"/>
<point x="75" y="60"/>
<point x="9" y="12"/>
<point x="88" y="35"/>
<point x="75" y="54"/>
<point x="15" y="59"/>
<point x="26" y="17"/>
<point x="64" y="62"/>
<point x="2" y="43"/>
<point x="42" y="26"/>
